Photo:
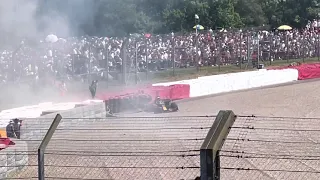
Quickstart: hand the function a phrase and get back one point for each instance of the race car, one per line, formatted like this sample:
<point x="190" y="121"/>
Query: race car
<point x="165" y="105"/>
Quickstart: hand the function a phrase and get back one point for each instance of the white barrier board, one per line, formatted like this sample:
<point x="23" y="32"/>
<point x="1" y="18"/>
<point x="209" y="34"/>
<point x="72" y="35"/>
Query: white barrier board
<point x="240" y="81"/>
<point x="35" y="111"/>
<point x="207" y="85"/>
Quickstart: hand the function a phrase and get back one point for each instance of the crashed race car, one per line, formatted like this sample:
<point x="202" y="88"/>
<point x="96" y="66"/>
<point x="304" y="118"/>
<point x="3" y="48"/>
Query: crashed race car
<point x="164" y="105"/>
<point x="138" y="103"/>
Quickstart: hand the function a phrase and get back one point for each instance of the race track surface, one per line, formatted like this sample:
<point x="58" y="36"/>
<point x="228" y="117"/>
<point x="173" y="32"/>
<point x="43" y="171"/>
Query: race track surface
<point x="119" y="145"/>
<point x="281" y="142"/>
<point x="299" y="99"/>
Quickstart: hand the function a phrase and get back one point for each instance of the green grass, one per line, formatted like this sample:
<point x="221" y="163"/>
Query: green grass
<point x="190" y="73"/>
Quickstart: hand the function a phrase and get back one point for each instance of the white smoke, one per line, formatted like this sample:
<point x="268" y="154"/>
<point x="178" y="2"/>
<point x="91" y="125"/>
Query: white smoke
<point x="18" y="18"/>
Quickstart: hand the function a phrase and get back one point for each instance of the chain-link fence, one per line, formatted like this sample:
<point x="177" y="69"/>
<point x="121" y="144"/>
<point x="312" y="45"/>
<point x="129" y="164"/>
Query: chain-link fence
<point x="127" y="148"/>
<point x="166" y="148"/>
<point x="161" y="57"/>
<point x="17" y="162"/>
<point x="20" y="160"/>
<point x="222" y="48"/>
<point x="144" y="58"/>
<point x="271" y="148"/>
<point x="116" y="148"/>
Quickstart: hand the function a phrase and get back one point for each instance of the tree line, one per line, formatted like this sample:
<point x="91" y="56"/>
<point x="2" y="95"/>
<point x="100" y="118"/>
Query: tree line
<point x="121" y="17"/>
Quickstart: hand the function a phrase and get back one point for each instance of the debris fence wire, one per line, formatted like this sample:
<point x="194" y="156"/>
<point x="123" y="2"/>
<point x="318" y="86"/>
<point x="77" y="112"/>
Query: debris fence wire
<point x="166" y="148"/>
<point x="119" y="148"/>
<point x="272" y="148"/>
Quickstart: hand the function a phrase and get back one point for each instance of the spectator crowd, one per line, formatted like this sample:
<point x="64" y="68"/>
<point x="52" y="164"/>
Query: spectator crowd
<point x="83" y="55"/>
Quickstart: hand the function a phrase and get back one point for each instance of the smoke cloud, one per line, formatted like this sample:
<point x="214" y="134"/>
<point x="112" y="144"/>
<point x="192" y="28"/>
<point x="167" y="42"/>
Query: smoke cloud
<point x="32" y="19"/>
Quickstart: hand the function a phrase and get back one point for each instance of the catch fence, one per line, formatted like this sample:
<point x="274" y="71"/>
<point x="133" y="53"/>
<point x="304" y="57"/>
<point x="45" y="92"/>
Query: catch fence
<point x="145" y="59"/>
<point x="225" y="146"/>
<point x="271" y="148"/>
<point x="116" y="148"/>
<point x="161" y="57"/>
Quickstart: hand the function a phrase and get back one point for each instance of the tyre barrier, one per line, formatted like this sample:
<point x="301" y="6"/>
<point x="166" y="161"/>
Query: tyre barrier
<point x="127" y="103"/>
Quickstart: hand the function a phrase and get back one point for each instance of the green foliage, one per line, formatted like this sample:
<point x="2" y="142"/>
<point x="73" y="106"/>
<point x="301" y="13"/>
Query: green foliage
<point x="121" y="17"/>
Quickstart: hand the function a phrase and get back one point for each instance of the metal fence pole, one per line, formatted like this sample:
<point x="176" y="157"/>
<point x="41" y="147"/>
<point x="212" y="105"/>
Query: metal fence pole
<point x="124" y="53"/>
<point x="197" y="55"/>
<point x="44" y="144"/>
<point x="209" y="152"/>
<point x="89" y="65"/>
<point x="217" y="165"/>
<point x="173" y="56"/>
<point x="136" y="63"/>
<point x="107" y="66"/>
<point x="73" y="68"/>
<point x="220" y="54"/>
<point x="287" y="45"/>
<point x="248" y="49"/>
<point x="271" y="49"/>
<point x="147" y="65"/>
<point x="303" y="46"/>
<point x="318" y="44"/>
<point x="258" y="50"/>
<point x="240" y="61"/>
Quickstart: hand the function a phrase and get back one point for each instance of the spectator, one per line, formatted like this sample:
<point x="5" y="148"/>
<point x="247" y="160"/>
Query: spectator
<point x="83" y="55"/>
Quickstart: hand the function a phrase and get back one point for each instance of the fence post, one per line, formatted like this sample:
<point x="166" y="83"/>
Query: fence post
<point x="318" y="45"/>
<point x="173" y="55"/>
<point x="44" y="144"/>
<point x="217" y="165"/>
<point x="209" y="152"/>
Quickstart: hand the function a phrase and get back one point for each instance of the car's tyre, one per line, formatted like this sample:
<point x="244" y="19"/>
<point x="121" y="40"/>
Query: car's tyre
<point x="174" y="107"/>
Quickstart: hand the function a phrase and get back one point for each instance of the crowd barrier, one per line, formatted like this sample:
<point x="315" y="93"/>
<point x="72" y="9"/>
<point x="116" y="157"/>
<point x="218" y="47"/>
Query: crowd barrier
<point x="174" y="92"/>
<point x="306" y="71"/>
<point x="135" y="100"/>
<point x="215" y="84"/>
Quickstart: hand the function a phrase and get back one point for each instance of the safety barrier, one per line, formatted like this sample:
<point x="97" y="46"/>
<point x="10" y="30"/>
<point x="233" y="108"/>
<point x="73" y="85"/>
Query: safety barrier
<point x="140" y="99"/>
<point x="174" y="92"/>
<point x="208" y="85"/>
<point x="306" y="71"/>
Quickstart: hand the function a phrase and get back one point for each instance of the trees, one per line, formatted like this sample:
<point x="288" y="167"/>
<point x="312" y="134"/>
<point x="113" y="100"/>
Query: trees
<point x="178" y="15"/>
<point x="121" y="17"/>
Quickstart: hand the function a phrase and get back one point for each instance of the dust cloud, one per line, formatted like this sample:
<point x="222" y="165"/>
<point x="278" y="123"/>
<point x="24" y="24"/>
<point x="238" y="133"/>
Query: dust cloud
<point x="33" y="20"/>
